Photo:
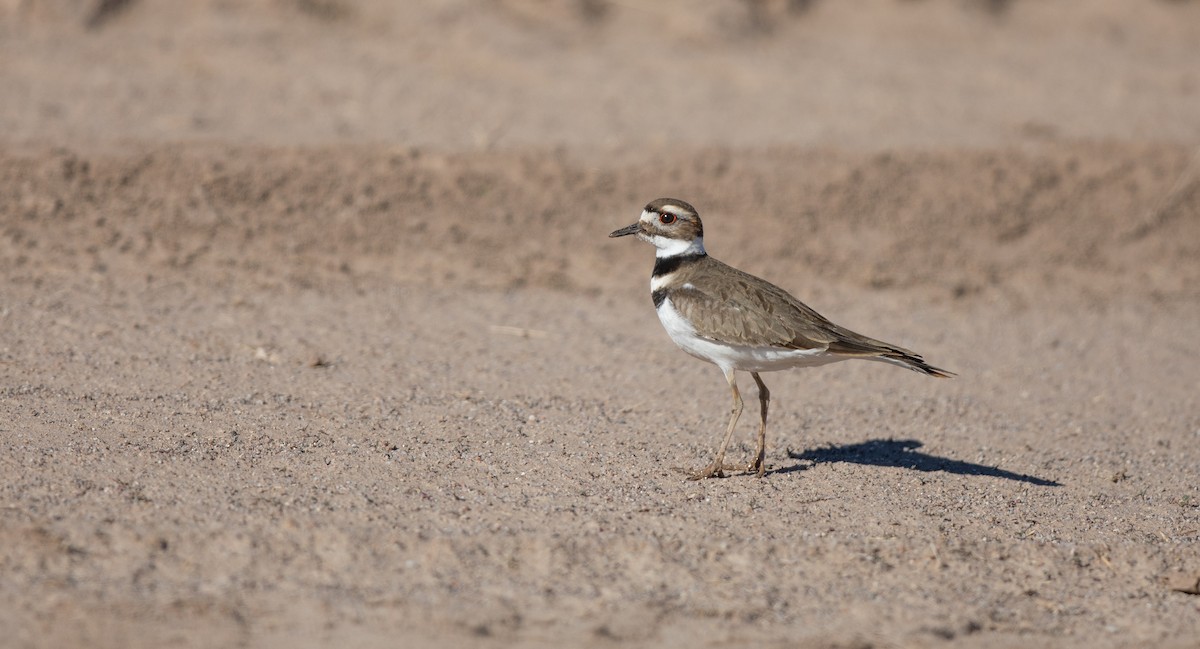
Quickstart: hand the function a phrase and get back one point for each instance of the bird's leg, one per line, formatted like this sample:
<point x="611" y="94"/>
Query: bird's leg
<point x="764" y="400"/>
<point x="716" y="469"/>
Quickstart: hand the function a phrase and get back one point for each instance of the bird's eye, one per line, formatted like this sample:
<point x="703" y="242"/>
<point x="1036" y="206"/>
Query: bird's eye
<point x="666" y="218"/>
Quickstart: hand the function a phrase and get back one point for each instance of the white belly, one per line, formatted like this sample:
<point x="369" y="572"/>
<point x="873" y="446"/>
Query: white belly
<point x="738" y="357"/>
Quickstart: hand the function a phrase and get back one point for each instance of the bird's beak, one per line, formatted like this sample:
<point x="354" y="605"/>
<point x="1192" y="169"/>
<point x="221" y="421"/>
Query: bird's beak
<point x="626" y="231"/>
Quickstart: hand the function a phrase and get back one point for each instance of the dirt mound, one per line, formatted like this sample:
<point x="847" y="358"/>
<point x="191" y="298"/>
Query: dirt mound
<point x="959" y="223"/>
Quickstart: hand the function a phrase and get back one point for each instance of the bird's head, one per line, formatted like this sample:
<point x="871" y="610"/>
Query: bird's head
<point x="672" y="225"/>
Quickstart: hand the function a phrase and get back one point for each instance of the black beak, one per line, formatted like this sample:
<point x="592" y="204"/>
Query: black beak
<point x="626" y="231"/>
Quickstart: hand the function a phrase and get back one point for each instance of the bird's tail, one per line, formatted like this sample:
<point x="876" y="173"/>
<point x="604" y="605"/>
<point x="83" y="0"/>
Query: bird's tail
<point x="860" y="346"/>
<point x="914" y="362"/>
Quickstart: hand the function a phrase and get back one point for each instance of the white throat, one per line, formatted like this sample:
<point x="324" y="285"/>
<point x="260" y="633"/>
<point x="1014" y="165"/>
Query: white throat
<point x="675" y="247"/>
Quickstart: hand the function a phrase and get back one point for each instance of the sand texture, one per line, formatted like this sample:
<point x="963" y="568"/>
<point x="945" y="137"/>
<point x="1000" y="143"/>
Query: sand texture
<point x="311" y="334"/>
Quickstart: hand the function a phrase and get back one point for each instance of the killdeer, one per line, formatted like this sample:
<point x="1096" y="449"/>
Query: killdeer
<point x="737" y="321"/>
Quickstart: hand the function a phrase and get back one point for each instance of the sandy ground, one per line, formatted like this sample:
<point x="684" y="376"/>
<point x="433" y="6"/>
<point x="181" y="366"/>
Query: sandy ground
<point x="310" y="332"/>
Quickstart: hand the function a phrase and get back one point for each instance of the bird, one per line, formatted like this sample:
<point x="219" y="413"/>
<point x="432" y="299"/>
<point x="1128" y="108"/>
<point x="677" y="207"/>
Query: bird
<point x="740" y="322"/>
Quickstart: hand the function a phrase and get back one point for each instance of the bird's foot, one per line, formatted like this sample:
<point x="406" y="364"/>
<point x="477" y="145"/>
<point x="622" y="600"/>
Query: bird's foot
<point x="714" y="470"/>
<point x="758" y="467"/>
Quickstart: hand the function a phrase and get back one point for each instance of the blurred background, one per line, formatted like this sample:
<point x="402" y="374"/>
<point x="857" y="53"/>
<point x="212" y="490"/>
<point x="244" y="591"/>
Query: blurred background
<point x="1012" y="132"/>
<point x="610" y="74"/>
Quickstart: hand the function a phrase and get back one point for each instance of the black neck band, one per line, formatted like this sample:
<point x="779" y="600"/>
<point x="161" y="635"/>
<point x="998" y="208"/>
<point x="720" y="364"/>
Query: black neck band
<point x="668" y="265"/>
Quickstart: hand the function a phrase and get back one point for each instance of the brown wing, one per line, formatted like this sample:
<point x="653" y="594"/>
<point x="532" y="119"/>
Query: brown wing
<point x="737" y="307"/>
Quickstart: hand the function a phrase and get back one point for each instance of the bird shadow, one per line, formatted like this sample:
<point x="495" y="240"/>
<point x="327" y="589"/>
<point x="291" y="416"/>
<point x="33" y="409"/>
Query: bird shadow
<point x="902" y="453"/>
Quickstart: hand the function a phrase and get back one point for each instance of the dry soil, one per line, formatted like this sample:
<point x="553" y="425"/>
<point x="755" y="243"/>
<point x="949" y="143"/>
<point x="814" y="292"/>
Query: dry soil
<point x="311" y="334"/>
